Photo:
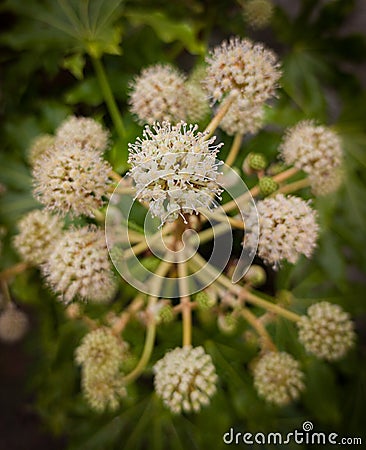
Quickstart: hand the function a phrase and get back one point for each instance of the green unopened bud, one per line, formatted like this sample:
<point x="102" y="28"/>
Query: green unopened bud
<point x="285" y="297"/>
<point x="256" y="276"/>
<point x="276" y="168"/>
<point x="227" y="323"/>
<point x="257" y="161"/>
<point x="267" y="186"/>
<point x="204" y="300"/>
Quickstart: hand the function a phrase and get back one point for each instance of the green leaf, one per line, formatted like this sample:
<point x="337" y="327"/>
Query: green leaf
<point x="75" y="64"/>
<point x="87" y="92"/>
<point x="321" y="396"/>
<point x="169" y="30"/>
<point x="106" y="42"/>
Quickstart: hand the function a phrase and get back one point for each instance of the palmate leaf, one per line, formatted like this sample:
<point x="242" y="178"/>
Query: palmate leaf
<point x="69" y="25"/>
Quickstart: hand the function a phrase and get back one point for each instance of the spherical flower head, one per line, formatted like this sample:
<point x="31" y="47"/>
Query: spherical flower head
<point x="101" y="351"/>
<point x="39" y="147"/>
<point x="102" y="393"/>
<point x="38" y="233"/>
<point x="315" y="149"/>
<point x="13" y="324"/>
<point x="278" y="378"/>
<point x="242" y="66"/>
<point x="174" y="169"/>
<point x="185" y="379"/>
<point x="82" y="132"/>
<point x="196" y="102"/>
<point x="326" y="183"/>
<point x="258" y="13"/>
<point x="72" y="180"/>
<point x="327" y="331"/>
<point x="158" y="94"/>
<point x="288" y="228"/>
<point x="79" y="266"/>
<point x="242" y="120"/>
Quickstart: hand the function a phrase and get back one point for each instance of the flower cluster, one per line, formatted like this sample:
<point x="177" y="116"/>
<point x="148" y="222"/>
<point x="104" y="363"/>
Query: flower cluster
<point x="196" y="102"/>
<point x="288" y="229"/>
<point x="258" y="13"/>
<point x="158" y="94"/>
<point x="101" y="350"/>
<point x="101" y="355"/>
<point x="102" y="393"/>
<point x="278" y="378"/>
<point x="318" y="151"/>
<point x="39" y="232"/>
<point x="185" y="379"/>
<point x="82" y="132"/>
<point x="327" y="331"/>
<point x="79" y="266"/>
<point x="174" y="169"/>
<point x="40" y="146"/>
<point x="239" y="120"/>
<point x="13" y="324"/>
<point x="242" y="66"/>
<point x="71" y="179"/>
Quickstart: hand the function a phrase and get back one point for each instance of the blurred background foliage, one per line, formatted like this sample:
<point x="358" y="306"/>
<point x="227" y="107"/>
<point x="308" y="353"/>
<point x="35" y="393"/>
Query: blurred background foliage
<point x="47" y="53"/>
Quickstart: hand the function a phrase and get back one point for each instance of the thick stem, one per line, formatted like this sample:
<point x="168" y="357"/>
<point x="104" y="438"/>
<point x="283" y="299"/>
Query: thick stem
<point x="282" y="176"/>
<point x="269" y="306"/>
<point x="292" y="187"/>
<point x="233" y="153"/>
<point x="109" y="97"/>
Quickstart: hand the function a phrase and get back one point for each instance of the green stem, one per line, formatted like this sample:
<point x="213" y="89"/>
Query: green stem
<point x="109" y="97"/>
<point x="269" y="306"/>
<point x="148" y="348"/>
<point x="185" y="303"/>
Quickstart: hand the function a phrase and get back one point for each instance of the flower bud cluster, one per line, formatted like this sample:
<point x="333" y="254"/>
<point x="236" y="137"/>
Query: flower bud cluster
<point x="185" y="379"/>
<point x="39" y="233"/>
<point x="278" y="378"/>
<point x="327" y="331"/>
<point x="101" y="356"/>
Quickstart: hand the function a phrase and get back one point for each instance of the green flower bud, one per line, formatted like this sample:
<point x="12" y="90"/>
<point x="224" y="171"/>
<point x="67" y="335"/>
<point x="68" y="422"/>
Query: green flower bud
<point x="267" y="186"/>
<point x="256" y="275"/>
<point x="204" y="300"/>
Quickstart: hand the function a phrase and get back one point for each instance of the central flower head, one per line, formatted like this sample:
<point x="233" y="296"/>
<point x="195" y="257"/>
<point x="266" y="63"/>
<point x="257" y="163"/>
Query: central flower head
<point x="175" y="169"/>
